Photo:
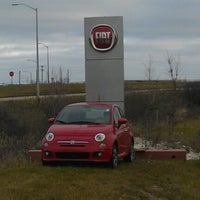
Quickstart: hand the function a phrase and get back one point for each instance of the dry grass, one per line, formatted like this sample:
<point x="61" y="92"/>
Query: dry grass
<point x="184" y="134"/>
<point x="45" y="89"/>
<point x="141" y="180"/>
<point x="58" y="88"/>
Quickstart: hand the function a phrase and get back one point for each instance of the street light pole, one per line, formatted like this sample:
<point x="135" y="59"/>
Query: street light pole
<point x="30" y="75"/>
<point x="37" y="57"/>
<point x="37" y="49"/>
<point x="47" y="60"/>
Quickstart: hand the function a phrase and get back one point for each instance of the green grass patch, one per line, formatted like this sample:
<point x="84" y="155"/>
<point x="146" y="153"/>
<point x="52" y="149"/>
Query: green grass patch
<point x="45" y="89"/>
<point x="182" y="134"/>
<point x="141" y="180"/>
<point x="61" y="88"/>
<point x="144" y="85"/>
<point x="23" y="124"/>
<point x="188" y="132"/>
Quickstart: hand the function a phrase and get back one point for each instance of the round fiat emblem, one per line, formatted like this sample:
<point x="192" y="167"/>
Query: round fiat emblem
<point x="103" y="37"/>
<point x="72" y="142"/>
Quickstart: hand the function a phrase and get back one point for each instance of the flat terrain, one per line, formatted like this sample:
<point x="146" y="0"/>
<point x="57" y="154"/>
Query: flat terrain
<point x="152" y="180"/>
<point x="140" y="180"/>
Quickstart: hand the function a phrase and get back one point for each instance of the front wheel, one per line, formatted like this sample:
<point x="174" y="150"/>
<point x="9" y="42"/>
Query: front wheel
<point x="114" y="157"/>
<point x="44" y="163"/>
<point x="131" y="155"/>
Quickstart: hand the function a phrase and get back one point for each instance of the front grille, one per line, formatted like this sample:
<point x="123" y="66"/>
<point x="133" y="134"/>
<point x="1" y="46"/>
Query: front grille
<point x="69" y="145"/>
<point x="72" y="155"/>
<point x="72" y="143"/>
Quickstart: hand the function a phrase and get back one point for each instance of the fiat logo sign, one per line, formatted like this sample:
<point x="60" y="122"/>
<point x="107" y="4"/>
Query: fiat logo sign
<point x="72" y="142"/>
<point x="103" y="37"/>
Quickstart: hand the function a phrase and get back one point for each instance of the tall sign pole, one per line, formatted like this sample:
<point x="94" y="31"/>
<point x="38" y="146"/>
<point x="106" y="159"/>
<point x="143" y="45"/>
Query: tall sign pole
<point x="11" y="73"/>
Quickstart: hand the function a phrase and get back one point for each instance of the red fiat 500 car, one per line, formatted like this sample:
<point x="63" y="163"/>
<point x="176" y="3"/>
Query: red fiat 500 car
<point x="96" y="132"/>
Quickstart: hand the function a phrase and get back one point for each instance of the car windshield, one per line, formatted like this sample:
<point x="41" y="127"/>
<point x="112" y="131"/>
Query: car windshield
<point x="84" y="114"/>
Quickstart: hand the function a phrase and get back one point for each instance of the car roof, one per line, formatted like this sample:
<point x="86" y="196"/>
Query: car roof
<point x="92" y="104"/>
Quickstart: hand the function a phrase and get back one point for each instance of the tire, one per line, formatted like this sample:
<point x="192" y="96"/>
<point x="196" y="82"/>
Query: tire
<point x="114" y="157"/>
<point x="49" y="163"/>
<point x="44" y="163"/>
<point x="131" y="155"/>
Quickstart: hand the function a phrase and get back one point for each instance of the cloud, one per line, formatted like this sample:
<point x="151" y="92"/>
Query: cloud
<point x="151" y="27"/>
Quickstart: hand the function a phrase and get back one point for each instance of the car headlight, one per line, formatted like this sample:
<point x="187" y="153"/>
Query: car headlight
<point x="49" y="137"/>
<point x="99" y="137"/>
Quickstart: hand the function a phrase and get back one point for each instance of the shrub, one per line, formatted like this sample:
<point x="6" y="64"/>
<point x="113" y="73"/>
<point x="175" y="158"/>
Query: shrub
<point x="23" y="124"/>
<point x="192" y="94"/>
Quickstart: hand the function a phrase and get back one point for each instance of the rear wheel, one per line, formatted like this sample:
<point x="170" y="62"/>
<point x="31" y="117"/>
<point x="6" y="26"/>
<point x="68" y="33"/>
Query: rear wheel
<point x="131" y="155"/>
<point x="114" y="157"/>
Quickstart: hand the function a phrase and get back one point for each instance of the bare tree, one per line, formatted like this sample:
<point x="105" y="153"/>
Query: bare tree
<point x="174" y="72"/>
<point x="174" y="69"/>
<point x="148" y="69"/>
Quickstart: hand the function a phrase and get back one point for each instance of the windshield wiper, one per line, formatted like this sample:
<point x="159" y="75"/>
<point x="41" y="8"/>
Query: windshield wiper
<point x="60" y="121"/>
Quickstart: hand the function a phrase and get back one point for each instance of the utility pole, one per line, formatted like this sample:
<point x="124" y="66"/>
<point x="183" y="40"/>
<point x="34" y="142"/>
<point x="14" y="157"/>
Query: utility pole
<point x="42" y="70"/>
<point x="37" y="50"/>
<point x="19" y="77"/>
<point x="67" y="76"/>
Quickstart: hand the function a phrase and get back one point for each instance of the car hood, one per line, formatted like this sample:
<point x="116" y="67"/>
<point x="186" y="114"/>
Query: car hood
<point x="72" y="130"/>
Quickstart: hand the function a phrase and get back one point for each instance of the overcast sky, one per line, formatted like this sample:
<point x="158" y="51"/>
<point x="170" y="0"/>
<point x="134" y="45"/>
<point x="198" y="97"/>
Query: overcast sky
<point x="151" y="29"/>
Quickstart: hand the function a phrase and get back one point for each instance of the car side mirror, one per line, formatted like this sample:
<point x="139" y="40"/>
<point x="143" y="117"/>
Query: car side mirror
<point x="122" y="121"/>
<point x="51" y="120"/>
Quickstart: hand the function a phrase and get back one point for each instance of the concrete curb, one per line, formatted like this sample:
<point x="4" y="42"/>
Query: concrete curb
<point x="34" y="155"/>
<point x="170" y="154"/>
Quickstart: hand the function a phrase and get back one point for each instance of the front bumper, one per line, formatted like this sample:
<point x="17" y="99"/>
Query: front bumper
<point x="100" y="153"/>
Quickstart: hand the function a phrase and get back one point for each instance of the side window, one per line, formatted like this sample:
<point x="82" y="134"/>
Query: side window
<point x="117" y="115"/>
<point x="121" y="113"/>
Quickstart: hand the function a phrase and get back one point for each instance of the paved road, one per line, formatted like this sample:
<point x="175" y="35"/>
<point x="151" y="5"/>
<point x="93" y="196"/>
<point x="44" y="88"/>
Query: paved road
<point x="34" y="97"/>
<point x="83" y="94"/>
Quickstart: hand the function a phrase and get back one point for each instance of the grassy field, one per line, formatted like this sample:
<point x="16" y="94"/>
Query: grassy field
<point x="45" y="89"/>
<point x="141" y="180"/>
<point x="58" y="88"/>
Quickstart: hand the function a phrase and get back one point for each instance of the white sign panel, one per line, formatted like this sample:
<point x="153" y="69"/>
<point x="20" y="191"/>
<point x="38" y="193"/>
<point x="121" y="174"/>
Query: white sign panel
<point x="104" y="59"/>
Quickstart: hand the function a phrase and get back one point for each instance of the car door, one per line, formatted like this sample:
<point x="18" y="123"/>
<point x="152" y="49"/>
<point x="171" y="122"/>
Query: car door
<point x="121" y="131"/>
